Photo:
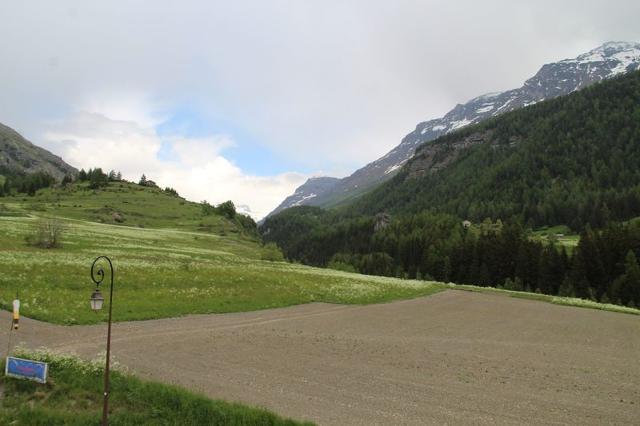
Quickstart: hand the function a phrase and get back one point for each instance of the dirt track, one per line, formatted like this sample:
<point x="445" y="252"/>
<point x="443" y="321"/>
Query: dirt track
<point x="451" y="358"/>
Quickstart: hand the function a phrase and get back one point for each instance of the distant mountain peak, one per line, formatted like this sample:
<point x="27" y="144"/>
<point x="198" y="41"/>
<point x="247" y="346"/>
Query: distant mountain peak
<point x="307" y="192"/>
<point x="621" y="54"/>
<point x="552" y="80"/>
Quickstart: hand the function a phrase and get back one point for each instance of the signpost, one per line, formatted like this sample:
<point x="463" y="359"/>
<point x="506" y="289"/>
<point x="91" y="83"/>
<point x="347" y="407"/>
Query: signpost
<point x="26" y="369"/>
<point x="16" y="313"/>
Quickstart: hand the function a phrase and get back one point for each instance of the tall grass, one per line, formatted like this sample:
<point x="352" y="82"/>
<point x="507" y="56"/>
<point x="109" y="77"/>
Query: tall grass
<point x="556" y="300"/>
<point x="167" y="273"/>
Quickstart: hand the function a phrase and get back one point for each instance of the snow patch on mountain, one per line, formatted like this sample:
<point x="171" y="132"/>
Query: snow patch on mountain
<point x="392" y="168"/>
<point x="303" y="198"/>
<point x="460" y="123"/>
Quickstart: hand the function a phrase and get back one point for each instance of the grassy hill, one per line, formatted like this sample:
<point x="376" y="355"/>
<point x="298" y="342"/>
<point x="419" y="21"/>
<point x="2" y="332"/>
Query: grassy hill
<point x="122" y="203"/>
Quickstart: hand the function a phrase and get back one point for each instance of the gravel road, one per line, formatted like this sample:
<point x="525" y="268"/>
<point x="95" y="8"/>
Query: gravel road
<point x="451" y="358"/>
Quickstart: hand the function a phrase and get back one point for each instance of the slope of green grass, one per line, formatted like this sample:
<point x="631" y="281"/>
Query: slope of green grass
<point x="73" y="396"/>
<point x="168" y="273"/>
<point x="122" y="203"/>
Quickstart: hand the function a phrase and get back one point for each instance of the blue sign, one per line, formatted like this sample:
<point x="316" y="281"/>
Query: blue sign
<point x="26" y="369"/>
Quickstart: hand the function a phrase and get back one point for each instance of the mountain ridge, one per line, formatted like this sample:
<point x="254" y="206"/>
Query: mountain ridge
<point x="552" y="80"/>
<point x="19" y="155"/>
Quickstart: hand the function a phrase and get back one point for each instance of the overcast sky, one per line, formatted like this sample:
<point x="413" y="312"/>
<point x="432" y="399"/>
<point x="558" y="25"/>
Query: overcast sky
<point x="244" y="100"/>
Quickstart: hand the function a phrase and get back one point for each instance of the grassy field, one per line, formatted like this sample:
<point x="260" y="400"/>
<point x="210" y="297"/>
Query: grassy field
<point x="168" y="273"/>
<point x="560" y="234"/>
<point x="73" y="396"/>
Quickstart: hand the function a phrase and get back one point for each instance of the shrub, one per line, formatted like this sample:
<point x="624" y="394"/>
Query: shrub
<point x="272" y="253"/>
<point x="513" y="285"/>
<point x="48" y="234"/>
<point x="341" y="266"/>
<point x="227" y="209"/>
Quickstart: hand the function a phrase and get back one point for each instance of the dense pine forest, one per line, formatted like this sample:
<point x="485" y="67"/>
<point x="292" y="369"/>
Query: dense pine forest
<point x="463" y="208"/>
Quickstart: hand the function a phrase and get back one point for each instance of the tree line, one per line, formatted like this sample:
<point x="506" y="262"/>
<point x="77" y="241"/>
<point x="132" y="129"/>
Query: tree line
<point x="602" y="267"/>
<point x="12" y="183"/>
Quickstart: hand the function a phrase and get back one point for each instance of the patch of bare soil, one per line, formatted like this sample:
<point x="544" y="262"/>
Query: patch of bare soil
<point x="451" y="358"/>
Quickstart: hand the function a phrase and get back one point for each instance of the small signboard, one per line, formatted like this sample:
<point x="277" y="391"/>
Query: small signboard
<point x="26" y="369"/>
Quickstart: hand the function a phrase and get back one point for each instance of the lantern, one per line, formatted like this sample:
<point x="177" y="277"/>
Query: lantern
<point x="96" y="300"/>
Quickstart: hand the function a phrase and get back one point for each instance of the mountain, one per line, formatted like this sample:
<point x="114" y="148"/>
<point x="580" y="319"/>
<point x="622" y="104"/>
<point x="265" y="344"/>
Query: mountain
<point x="306" y="192"/>
<point x="552" y="80"/>
<point x="18" y="155"/>
<point x="572" y="160"/>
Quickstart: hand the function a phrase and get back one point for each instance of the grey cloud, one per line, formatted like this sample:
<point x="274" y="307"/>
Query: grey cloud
<point x="330" y="84"/>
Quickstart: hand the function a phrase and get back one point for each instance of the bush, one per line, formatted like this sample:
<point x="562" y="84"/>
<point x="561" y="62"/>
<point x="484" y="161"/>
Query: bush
<point x="247" y="223"/>
<point x="341" y="266"/>
<point x="272" y="253"/>
<point x="48" y="234"/>
<point x="513" y="285"/>
<point x="227" y="209"/>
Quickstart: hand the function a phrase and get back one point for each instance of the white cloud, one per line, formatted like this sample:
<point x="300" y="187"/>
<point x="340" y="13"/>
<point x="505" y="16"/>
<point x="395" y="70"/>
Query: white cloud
<point x="194" y="152"/>
<point x="122" y="106"/>
<point x="325" y="85"/>
<point x="329" y="85"/>
<point x="197" y="170"/>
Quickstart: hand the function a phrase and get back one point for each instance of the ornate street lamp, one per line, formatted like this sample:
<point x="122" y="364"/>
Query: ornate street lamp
<point x="97" y="301"/>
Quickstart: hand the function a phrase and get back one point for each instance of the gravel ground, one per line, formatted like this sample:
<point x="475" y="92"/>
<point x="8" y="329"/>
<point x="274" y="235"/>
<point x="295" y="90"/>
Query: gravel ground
<point x="451" y="358"/>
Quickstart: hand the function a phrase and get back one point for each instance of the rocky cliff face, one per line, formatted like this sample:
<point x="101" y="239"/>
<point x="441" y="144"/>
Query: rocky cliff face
<point x="19" y="155"/>
<point x="552" y="80"/>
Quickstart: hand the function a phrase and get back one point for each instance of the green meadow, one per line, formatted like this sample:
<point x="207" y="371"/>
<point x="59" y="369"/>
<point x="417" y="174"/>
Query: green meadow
<point x="561" y="235"/>
<point x="201" y="264"/>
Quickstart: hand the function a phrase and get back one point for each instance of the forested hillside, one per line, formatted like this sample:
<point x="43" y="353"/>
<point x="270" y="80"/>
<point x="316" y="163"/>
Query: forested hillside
<point x="573" y="160"/>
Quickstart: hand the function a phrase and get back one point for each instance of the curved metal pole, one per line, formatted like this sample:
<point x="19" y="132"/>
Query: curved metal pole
<point x="97" y="275"/>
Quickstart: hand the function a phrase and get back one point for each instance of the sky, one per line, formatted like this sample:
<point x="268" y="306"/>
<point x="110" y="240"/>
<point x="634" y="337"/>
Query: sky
<point x="245" y="100"/>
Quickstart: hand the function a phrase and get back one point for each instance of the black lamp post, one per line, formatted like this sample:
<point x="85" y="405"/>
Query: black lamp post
<point x="97" y="300"/>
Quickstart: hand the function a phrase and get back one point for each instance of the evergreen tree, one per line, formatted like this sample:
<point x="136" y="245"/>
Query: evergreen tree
<point x="627" y="287"/>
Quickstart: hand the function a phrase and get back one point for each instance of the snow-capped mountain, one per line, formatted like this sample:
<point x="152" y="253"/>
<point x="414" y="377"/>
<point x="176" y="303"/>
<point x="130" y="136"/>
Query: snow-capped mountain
<point x="552" y="80"/>
<point x="307" y="192"/>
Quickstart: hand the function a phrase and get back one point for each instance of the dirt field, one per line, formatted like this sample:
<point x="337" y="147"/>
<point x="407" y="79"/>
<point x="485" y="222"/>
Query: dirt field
<point x="451" y="358"/>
